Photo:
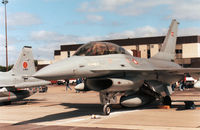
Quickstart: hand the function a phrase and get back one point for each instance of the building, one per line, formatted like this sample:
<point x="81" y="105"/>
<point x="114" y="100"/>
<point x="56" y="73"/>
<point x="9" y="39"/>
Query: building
<point x="42" y="63"/>
<point x="187" y="49"/>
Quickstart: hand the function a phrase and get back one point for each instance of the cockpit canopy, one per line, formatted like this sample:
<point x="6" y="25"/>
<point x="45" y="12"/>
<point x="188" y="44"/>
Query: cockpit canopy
<point x="100" y="48"/>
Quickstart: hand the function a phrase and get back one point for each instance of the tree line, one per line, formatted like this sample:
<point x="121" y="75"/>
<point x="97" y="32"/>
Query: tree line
<point x="3" y="68"/>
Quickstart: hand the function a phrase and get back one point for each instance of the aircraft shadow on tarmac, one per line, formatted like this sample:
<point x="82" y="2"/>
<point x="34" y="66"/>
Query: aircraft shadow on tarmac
<point x="82" y="110"/>
<point x="88" y="109"/>
<point x="182" y="107"/>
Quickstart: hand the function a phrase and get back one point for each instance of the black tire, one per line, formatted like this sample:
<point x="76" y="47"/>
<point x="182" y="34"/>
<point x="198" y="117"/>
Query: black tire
<point x="189" y="105"/>
<point x="107" y="109"/>
<point x="167" y="100"/>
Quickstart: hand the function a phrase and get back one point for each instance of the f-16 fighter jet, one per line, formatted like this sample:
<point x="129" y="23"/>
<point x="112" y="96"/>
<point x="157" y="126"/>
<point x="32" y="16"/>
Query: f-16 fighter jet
<point x="14" y="82"/>
<point x="110" y="70"/>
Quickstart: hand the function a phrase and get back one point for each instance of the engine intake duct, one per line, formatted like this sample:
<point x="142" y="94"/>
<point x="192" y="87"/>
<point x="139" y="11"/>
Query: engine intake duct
<point x="98" y="84"/>
<point x="113" y="84"/>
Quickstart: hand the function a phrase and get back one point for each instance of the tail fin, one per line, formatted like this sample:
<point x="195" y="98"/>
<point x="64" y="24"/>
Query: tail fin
<point x="167" y="51"/>
<point x="25" y="63"/>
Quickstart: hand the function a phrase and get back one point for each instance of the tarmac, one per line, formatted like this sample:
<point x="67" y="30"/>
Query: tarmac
<point x="61" y="109"/>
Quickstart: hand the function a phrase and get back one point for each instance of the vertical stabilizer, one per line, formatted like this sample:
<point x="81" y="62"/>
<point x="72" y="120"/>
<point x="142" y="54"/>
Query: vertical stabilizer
<point x="25" y="63"/>
<point x="167" y="51"/>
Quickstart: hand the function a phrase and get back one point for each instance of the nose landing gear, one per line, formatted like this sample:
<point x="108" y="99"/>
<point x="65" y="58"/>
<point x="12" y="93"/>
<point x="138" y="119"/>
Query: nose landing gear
<point x="107" y="109"/>
<point x="106" y="100"/>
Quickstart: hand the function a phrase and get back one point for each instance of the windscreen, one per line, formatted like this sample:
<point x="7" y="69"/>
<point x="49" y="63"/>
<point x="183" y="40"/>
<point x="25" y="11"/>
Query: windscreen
<point x="100" y="48"/>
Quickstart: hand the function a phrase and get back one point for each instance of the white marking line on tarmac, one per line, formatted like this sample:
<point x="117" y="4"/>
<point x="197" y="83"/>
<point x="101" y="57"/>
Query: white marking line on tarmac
<point x="60" y="122"/>
<point x="69" y="121"/>
<point x="87" y="118"/>
<point x="91" y="121"/>
<point x="123" y="112"/>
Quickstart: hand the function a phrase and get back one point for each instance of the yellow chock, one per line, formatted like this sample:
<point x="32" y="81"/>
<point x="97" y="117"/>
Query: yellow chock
<point x="198" y="108"/>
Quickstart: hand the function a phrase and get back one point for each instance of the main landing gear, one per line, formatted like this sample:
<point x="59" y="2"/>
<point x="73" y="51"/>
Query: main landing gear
<point x="167" y="101"/>
<point x="189" y="105"/>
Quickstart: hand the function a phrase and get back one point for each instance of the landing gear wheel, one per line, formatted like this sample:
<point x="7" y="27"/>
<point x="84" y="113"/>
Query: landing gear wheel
<point x="189" y="105"/>
<point x="167" y="101"/>
<point x="107" y="109"/>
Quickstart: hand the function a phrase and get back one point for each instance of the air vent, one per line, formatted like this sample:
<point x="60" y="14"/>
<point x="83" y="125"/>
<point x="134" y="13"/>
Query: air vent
<point x="81" y="66"/>
<point x="122" y="65"/>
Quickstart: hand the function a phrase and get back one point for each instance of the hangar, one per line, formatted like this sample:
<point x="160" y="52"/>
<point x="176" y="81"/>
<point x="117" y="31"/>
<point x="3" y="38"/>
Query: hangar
<point x="187" y="49"/>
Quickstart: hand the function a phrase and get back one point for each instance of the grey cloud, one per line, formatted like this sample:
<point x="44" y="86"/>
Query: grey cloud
<point x="124" y="7"/>
<point x="184" y="9"/>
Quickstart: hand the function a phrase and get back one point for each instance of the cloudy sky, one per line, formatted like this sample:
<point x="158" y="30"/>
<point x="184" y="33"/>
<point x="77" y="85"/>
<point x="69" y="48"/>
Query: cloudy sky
<point x="46" y="24"/>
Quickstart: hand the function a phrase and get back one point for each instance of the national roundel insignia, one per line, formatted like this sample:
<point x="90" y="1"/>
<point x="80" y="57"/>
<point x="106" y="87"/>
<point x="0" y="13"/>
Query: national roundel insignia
<point x="172" y="34"/>
<point x="25" y="65"/>
<point x="134" y="61"/>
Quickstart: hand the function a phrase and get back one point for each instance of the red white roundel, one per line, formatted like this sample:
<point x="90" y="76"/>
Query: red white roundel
<point x="25" y="65"/>
<point x="134" y="61"/>
<point x="172" y="34"/>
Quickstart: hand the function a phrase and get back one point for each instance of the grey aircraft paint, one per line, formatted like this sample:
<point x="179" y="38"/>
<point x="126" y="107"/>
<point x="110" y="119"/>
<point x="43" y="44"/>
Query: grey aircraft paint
<point x="111" y="71"/>
<point x="13" y="82"/>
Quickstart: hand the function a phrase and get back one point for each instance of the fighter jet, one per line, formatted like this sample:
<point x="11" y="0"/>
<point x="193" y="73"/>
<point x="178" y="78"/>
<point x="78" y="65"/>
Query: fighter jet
<point x="14" y="82"/>
<point x="112" y="71"/>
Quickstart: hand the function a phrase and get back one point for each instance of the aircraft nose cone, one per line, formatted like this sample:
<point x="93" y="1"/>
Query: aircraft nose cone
<point x="59" y="70"/>
<point x="42" y="74"/>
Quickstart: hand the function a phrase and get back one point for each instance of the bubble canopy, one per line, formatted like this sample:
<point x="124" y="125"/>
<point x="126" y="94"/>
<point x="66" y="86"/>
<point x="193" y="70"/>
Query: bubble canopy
<point x="100" y="48"/>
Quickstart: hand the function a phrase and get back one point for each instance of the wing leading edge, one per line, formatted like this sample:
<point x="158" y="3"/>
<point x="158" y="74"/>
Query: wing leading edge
<point x="170" y="70"/>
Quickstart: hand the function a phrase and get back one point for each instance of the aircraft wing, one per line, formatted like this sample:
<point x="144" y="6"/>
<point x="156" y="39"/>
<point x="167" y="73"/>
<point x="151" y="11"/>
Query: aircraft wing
<point x="194" y="72"/>
<point x="26" y="84"/>
<point x="180" y="70"/>
<point x="170" y="70"/>
<point x="117" y="69"/>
